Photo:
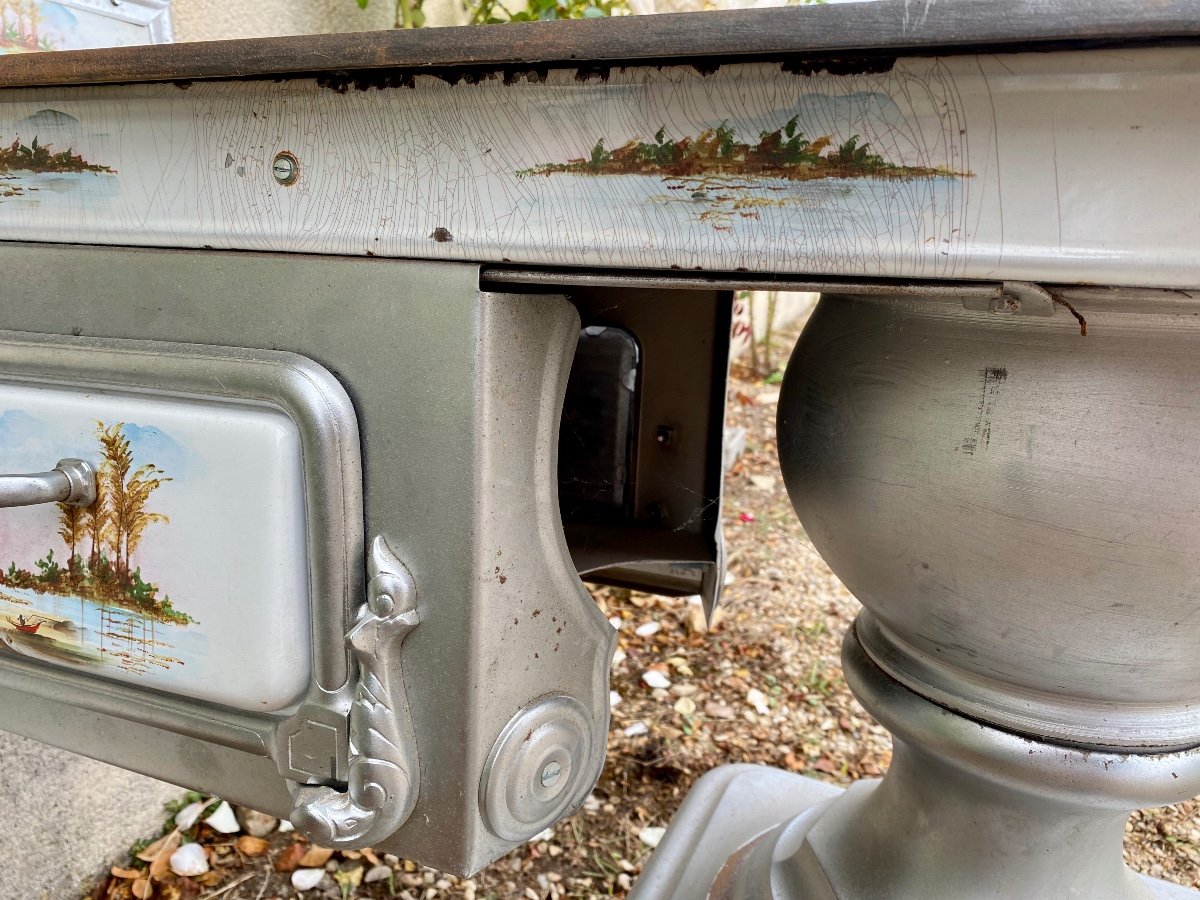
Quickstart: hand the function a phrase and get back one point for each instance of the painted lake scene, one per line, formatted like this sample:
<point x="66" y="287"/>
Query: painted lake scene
<point x="86" y="601"/>
<point x="43" y="159"/>
<point x="190" y="572"/>
<point x="782" y="153"/>
<point x="723" y="179"/>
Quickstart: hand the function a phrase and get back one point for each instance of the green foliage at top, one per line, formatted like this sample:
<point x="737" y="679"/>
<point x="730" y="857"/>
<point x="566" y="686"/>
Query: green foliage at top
<point x="494" y="12"/>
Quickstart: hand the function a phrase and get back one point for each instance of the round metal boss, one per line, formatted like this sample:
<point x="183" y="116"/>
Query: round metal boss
<point x="538" y="769"/>
<point x="286" y="168"/>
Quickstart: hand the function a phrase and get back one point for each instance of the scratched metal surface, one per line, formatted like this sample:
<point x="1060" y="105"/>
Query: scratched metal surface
<point x="1044" y="166"/>
<point x="894" y="26"/>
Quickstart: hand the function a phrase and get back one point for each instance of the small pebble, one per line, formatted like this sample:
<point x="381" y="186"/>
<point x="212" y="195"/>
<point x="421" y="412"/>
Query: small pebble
<point x="189" y="860"/>
<point x="763" y="482"/>
<point x="307" y="879"/>
<point x="648" y="629"/>
<point x="255" y="823"/>
<point x="758" y="700"/>
<point x="223" y="820"/>
<point x="636" y="729"/>
<point x="190" y="814"/>
<point x="656" y="679"/>
<point x="377" y="873"/>
<point x="651" y="835"/>
<point x="718" y="710"/>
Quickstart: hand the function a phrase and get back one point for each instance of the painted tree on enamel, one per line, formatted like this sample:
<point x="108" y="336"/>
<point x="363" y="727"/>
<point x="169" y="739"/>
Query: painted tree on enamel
<point x="112" y="529"/>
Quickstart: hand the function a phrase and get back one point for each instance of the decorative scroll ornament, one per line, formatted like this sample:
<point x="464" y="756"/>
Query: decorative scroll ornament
<point x="383" y="770"/>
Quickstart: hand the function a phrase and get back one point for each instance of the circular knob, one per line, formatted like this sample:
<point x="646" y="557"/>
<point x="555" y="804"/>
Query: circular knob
<point x="541" y="767"/>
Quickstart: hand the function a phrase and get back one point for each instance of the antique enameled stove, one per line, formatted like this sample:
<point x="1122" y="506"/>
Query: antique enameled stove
<point x="338" y="361"/>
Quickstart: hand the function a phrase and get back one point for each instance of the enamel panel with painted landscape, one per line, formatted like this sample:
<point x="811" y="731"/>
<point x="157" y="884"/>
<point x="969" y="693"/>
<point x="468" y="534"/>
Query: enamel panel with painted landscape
<point x="919" y="167"/>
<point x="189" y="573"/>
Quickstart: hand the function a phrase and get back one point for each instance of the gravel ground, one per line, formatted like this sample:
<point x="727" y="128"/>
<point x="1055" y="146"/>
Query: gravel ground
<point x="762" y="685"/>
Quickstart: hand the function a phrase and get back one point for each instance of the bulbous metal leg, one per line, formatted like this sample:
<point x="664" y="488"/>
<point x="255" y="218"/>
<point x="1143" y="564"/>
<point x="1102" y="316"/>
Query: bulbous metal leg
<point x="1006" y="499"/>
<point x="965" y="811"/>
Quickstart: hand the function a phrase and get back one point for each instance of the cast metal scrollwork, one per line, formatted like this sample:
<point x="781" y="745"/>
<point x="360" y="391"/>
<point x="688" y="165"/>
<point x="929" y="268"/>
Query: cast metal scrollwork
<point x="383" y="771"/>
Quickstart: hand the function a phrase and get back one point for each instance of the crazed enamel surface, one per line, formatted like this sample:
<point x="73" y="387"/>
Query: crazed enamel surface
<point x="1044" y="166"/>
<point x="191" y="573"/>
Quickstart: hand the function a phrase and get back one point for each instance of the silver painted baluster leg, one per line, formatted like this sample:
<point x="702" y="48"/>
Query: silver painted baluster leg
<point x="1014" y="503"/>
<point x="965" y="811"/>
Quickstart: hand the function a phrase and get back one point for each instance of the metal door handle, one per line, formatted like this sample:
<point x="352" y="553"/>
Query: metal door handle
<point x="71" y="481"/>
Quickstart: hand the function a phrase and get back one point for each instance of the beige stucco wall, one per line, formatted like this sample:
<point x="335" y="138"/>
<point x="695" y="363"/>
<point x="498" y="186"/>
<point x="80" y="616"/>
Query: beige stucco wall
<point x="204" y="20"/>
<point x="207" y="20"/>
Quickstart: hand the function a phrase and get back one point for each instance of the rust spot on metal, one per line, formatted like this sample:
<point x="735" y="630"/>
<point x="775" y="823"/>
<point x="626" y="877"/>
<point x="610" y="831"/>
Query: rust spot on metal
<point x="534" y="75"/>
<point x="839" y="65"/>
<point x="344" y="82"/>
<point x="1082" y="321"/>
<point x="586" y="74"/>
<point x="441" y="235"/>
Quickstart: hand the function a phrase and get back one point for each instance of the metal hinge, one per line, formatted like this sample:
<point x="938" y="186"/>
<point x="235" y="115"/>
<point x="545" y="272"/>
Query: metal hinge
<point x="382" y="765"/>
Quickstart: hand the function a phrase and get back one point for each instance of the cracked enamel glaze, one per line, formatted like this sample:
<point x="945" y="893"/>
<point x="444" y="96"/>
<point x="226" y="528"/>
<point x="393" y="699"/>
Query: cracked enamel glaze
<point x="985" y="163"/>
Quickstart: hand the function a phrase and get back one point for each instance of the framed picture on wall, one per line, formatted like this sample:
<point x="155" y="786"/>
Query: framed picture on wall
<point x="28" y="26"/>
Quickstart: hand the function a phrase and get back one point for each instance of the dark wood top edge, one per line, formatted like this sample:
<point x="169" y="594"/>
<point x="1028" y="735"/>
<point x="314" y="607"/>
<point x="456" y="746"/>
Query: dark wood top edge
<point x="883" y="27"/>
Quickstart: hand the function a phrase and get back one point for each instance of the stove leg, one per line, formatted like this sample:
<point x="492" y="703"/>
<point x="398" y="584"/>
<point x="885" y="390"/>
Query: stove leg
<point x="965" y="811"/>
<point x="1008" y="500"/>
